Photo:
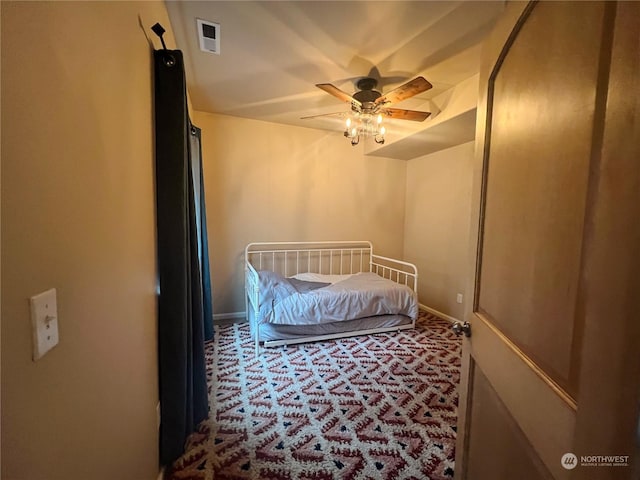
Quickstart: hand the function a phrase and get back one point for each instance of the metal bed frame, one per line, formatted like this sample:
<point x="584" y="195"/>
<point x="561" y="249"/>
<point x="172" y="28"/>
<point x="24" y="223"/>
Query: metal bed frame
<point x="333" y="258"/>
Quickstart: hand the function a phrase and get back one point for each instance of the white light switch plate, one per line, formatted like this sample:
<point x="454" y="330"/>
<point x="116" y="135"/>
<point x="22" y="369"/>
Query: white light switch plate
<point x="44" y="322"/>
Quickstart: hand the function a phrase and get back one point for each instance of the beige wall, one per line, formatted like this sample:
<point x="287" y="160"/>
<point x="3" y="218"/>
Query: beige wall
<point x="0" y="249"/>
<point x="436" y="232"/>
<point x="78" y="215"/>
<point x="270" y="182"/>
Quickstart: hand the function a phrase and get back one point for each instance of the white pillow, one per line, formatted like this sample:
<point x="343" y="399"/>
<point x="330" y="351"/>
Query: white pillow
<point x="320" y="277"/>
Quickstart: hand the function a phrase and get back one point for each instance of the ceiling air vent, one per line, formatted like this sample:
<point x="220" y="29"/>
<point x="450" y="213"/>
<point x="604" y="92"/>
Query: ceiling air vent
<point x="209" y="36"/>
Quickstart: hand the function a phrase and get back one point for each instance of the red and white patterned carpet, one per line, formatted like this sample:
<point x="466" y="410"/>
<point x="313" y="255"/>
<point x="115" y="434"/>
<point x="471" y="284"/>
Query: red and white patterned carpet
<point x="370" y="407"/>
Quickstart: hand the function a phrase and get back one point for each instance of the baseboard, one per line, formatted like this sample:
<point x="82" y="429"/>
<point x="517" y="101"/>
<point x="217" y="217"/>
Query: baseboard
<point x="439" y="314"/>
<point x="231" y="317"/>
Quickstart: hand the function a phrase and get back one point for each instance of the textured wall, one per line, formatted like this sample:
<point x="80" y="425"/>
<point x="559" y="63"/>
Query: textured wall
<point x="78" y="214"/>
<point x="436" y="231"/>
<point x="271" y="182"/>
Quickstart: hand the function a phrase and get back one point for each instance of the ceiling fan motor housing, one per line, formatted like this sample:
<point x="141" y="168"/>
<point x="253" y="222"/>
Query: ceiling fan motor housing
<point x="367" y="83"/>
<point x="367" y="95"/>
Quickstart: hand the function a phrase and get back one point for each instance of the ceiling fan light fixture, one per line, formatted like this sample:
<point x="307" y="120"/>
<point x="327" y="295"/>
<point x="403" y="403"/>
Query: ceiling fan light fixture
<point x="368" y="106"/>
<point x="365" y="125"/>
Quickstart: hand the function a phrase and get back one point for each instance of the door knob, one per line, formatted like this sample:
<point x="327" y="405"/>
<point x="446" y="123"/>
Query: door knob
<point x="460" y="328"/>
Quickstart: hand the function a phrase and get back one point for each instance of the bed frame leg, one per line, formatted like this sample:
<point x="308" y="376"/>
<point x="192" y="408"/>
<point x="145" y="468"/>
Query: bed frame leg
<point x="257" y="340"/>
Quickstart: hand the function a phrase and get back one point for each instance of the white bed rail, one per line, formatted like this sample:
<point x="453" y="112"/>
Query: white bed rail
<point x="333" y="258"/>
<point x="398" y="271"/>
<point x="251" y="288"/>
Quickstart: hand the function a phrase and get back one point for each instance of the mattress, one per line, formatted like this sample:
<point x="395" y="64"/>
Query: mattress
<point x="270" y="332"/>
<point x="363" y="295"/>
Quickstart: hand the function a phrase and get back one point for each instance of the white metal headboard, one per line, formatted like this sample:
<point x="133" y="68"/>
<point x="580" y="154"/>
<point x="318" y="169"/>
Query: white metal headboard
<point x="291" y="258"/>
<point x="336" y="257"/>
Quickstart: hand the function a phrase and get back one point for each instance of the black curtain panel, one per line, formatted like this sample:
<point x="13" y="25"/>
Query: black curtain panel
<point x="181" y="255"/>
<point x="201" y="224"/>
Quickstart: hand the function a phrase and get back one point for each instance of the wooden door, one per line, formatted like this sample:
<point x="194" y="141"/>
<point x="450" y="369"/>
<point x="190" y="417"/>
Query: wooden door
<point x="551" y="371"/>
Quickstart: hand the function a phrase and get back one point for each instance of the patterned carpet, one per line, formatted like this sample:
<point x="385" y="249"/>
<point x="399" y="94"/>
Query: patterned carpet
<point x="362" y="408"/>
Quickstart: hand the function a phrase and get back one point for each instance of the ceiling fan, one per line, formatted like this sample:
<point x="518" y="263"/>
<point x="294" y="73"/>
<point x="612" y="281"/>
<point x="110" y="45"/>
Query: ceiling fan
<point x="369" y="100"/>
<point x="369" y="106"/>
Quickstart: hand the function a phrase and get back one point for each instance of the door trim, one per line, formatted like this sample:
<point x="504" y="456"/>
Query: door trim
<point x="568" y="399"/>
<point x="486" y="143"/>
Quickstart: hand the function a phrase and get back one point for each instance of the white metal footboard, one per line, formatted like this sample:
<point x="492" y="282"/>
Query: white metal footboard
<point x="252" y="300"/>
<point x="292" y="258"/>
<point x="398" y="271"/>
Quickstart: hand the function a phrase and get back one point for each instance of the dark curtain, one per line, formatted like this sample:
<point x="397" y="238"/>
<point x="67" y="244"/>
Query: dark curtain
<point x="201" y="224"/>
<point x="181" y="255"/>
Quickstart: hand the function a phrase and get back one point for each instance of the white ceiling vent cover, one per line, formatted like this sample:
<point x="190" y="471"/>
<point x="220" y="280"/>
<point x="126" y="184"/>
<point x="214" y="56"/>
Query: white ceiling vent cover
<point x="209" y="36"/>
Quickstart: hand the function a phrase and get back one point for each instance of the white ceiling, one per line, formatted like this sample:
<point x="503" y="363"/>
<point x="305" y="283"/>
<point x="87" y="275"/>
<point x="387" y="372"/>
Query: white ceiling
<point x="274" y="52"/>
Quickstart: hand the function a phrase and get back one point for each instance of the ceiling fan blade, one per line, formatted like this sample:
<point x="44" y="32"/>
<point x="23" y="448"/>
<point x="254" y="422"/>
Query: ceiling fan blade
<point x="408" y="90"/>
<point x="402" y="114"/>
<point x="336" y="92"/>
<point x="322" y="115"/>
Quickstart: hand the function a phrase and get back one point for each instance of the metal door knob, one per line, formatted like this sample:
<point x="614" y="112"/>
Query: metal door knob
<point x="460" y="328"/>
